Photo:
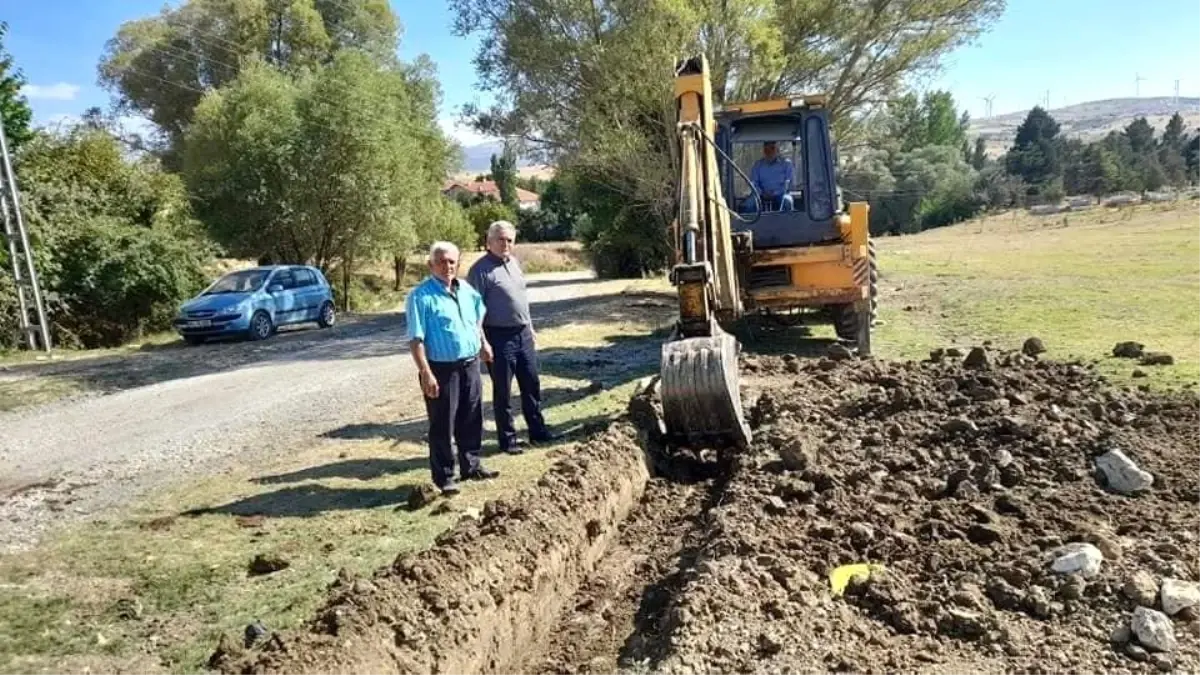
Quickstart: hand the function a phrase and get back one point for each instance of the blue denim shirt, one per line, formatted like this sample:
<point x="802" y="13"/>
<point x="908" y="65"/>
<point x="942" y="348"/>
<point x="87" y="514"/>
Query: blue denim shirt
<point x="447" y="324"/>
<point x="773" y="177"/>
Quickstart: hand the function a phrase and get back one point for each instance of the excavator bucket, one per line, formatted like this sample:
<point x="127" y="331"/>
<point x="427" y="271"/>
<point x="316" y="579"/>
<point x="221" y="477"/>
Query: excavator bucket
<point x="702" y="403"/>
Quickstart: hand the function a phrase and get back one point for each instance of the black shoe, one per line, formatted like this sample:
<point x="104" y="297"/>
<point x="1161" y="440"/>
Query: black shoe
<point x="449" y="489"/>
<point x="514" y="449"/>
<point x="546" y="436"/>
<point x="481" y="473"/>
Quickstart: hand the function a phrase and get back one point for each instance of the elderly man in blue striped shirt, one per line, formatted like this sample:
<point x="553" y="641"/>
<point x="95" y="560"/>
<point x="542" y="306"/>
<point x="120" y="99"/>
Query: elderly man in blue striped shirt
<point x="445" y="332"/>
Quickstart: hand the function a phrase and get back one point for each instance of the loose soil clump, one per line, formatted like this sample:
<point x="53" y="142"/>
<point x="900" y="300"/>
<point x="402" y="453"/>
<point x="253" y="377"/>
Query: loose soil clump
<point x="999" y="542"/>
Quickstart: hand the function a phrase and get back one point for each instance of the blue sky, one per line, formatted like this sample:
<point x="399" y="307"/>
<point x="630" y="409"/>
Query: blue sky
<point x="1080" y="50"/>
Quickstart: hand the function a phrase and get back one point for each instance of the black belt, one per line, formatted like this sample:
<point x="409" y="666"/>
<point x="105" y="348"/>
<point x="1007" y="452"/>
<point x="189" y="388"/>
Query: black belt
<point x="461" y="363"/>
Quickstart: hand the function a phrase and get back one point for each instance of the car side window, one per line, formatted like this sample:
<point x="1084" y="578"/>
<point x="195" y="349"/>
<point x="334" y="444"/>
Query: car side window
<point x="304" y="279"/>
<point x="285" y="279"/>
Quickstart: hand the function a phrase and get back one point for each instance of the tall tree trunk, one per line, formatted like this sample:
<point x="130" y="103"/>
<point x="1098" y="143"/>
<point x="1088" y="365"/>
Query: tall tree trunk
<point x="401" y="263"/>
<point x="346" y="285"/>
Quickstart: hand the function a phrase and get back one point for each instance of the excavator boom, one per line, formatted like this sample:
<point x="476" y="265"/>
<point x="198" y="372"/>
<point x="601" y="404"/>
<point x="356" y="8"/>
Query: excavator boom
<point x="700" y="392"/>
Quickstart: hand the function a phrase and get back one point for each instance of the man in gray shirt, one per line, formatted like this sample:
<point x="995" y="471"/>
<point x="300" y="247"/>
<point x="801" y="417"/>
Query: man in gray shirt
<point x="508" y="328"/>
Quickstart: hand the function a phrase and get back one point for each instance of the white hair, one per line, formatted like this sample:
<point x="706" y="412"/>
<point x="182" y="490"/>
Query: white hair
<point x="441" y="247"/>
<point x="500" y="227"/>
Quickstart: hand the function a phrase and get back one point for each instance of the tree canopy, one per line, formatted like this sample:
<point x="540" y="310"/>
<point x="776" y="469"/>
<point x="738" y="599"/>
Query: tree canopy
<point x="162" y="66"/>
<point x="587" y="82"/>
<point x="14" y="109"/>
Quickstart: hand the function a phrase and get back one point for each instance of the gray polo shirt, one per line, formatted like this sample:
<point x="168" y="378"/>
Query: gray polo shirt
<point x="502" y="285"/>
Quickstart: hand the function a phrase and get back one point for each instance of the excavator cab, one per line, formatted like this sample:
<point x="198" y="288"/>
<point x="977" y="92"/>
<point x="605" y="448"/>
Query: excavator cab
<point x="740" y="251"/>
<point x="798" y="138"/>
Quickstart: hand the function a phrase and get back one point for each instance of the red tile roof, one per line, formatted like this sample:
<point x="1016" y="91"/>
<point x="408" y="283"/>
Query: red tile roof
<point x="489" y="188"/>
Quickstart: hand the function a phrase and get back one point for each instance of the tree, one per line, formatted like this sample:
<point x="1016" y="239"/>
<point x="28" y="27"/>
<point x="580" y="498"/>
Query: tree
<point x="1035" y="154"/>
<point x="1191" y="153"/>
<point x="588" y="83"/>
<point x="161" y="67"/>
<point x="1171" y="152"/>
<point x="321" y="168"/>
<point x="932" y="121"/>
<point x="1140" y="135"/>
<point x="14" y="109"/>
<point x="979" y="154"/>
<point x="483" y="214"/>
<point x="504" y="172"/>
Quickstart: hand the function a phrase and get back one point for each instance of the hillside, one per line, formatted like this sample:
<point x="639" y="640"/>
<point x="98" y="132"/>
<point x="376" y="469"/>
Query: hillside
<point x="478" y="158"/>
<point x="1090" y="121"/>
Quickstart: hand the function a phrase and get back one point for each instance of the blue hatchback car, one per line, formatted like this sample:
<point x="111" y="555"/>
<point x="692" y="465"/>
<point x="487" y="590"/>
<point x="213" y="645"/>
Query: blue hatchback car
<point x="254" y="302"/>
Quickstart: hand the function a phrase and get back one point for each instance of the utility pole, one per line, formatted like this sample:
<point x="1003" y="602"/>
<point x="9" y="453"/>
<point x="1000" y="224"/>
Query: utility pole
<point x="1137" y="84"/>
<point x="1176" y="94"/>
<point x="35" y="329"/>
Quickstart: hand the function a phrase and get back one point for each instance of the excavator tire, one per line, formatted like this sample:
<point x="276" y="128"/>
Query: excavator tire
<point x="702" y="403"/>
<point x="874" y="281"/>
<point x="852" y="323"/>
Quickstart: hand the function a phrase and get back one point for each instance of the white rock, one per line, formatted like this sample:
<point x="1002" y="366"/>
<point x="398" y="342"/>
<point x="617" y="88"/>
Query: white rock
<point x="1177" y="595"/>
<point x="1153" y="629"/>
<point x="1079" y="558"/>
<point x="1123" y="475"/>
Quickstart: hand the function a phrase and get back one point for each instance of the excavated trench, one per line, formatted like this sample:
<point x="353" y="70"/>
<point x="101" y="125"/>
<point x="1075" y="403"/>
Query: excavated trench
<point x="964" y="482"/>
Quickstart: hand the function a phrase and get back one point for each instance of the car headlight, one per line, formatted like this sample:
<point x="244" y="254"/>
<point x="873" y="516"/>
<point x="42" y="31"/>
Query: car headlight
<point x="235" y="310"/>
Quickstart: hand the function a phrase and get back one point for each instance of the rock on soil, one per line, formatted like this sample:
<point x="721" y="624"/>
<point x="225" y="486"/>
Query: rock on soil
<point x="1084" y="559"/>
<point x="1178" y="595"/>
<point x="1128" y="350"/>
<point x="1153" y="629"/>
<point x="266" y="564"/>
<point x="1121" y="474"/>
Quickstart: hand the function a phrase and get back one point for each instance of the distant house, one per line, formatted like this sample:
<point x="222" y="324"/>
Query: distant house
<point x="455" y="189"/>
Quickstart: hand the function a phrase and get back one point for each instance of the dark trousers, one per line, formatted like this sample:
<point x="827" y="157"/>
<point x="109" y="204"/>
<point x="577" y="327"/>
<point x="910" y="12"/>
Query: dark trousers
<point x="457" y="410"/>
<point x="515" y="355"/>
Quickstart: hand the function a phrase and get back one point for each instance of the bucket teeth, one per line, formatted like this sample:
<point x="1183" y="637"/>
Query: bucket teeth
<point x="700" y="394"/>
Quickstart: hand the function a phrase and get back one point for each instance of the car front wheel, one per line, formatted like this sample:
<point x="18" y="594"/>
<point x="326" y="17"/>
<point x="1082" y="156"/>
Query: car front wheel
<point x="260" y="326"/>
<point x="327" y="316"/>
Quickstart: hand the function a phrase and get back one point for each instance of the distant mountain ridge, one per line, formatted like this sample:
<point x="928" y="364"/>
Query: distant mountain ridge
<point x="1090" y="121"/>
<point x="478" y="158"/>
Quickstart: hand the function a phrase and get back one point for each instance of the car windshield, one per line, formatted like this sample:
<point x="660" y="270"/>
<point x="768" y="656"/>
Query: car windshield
<point x="245" y="281"/>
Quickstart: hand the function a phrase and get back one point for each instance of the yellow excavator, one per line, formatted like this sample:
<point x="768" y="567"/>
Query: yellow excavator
<point x="742" y="249"/>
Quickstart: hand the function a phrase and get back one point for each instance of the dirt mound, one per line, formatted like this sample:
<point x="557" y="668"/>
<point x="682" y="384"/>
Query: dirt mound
<point x="976" y="482"/>
<point x="966" y="484"/>
<point x="488" y="590"/>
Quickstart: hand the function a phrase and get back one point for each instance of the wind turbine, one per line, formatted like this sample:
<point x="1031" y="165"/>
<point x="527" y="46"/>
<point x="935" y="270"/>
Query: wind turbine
<point x="1137" y="84"/>
<point x="988" y="105"/>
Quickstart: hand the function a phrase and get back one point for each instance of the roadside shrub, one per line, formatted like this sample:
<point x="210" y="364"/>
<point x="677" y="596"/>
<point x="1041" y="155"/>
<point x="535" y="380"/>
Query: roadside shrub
<point x="116" y="282"/>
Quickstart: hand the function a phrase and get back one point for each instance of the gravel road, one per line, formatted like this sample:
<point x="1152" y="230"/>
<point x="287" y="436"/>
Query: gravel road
<point x="163" y="415"/>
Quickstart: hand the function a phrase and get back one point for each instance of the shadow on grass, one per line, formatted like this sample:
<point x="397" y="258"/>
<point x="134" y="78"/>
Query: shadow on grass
<point x="772" y="337"/>
<point x="358" y="469"/>
<point x="306" y="501"/>
<point x="622" y="360"/>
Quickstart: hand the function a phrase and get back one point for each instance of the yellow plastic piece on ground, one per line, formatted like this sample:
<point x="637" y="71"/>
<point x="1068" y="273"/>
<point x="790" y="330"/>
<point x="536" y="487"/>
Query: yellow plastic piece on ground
<point x="841" y="576"/>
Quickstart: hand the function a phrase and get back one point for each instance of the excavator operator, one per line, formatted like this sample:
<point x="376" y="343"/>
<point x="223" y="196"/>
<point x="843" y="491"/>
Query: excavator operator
<point x="773" y="175"/>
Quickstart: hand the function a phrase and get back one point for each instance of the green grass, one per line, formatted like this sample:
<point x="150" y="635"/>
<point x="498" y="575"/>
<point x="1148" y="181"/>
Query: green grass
<point x="326" y="507"/>
<point x="1081" y="283"/>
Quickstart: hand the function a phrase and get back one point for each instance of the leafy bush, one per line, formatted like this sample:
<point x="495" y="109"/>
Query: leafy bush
<point x="483" y="214"/>
<point x="118" y="281"/>
<point x="115" y="244"/>
<point x="543" y="225"/>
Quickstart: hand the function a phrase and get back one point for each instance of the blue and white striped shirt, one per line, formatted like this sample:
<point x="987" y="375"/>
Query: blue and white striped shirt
<point x="447" y="324"/>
